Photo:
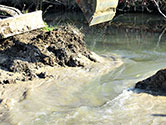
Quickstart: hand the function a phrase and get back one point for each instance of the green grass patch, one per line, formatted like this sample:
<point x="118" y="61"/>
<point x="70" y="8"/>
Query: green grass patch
<point x="48" y="28"/>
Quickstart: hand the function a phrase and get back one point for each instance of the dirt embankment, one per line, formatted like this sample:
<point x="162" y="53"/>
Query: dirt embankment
<point x="22" y="56"/>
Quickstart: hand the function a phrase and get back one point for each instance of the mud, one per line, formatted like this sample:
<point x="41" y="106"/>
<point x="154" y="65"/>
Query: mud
<point x="155" y="83"/>
<point x="23" y="55"/>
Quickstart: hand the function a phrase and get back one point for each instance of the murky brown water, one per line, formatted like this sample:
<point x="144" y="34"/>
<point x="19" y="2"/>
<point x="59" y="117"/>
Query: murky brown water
<point x="106" y="100"/>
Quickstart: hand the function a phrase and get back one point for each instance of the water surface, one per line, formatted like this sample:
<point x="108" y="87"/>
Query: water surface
<point x="110" y="99"/>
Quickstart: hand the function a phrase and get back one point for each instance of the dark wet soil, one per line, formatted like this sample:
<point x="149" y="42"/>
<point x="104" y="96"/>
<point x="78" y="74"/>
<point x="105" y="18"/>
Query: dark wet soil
<point x="63" y="46"/>
<point x="155" y="83"/>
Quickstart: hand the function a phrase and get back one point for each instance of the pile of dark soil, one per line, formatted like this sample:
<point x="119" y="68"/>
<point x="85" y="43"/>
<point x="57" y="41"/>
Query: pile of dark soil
<point x="155" y="83"/>
<point x="63" y="46"/>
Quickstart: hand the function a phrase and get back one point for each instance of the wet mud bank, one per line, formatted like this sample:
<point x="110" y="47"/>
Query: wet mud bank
<point x="155" y="83"/>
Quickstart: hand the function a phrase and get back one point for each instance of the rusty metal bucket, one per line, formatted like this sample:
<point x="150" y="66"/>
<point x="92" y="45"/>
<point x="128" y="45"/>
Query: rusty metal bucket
<point x="98" y="11"/>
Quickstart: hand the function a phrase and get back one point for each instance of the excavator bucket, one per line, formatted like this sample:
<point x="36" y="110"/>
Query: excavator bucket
<point x="98" y="11"/>
<point x="21" y="23"/>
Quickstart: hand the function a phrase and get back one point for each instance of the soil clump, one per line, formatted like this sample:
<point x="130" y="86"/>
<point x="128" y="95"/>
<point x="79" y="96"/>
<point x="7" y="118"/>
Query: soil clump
<point x="155" y="83"/>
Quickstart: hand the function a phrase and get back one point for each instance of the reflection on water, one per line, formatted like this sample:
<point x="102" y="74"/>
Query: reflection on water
<point x="106" y="100"/>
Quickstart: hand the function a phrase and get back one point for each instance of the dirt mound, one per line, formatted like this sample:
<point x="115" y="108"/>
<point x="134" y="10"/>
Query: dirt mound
<point x="63" y="46"/>
<point x="156" y="83"/>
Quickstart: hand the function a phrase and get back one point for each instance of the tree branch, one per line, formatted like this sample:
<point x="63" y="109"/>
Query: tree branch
<point x="158" y="7"/>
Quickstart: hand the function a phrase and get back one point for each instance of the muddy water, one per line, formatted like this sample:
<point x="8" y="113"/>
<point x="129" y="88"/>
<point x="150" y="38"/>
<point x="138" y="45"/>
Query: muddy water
<point x="105" y="100"/>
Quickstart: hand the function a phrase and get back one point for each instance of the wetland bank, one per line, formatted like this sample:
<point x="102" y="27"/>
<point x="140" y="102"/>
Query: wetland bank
<point x="77" y="86"/>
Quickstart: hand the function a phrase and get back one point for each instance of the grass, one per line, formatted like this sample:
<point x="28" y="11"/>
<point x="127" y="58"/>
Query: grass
<point x="48" y="28"/>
